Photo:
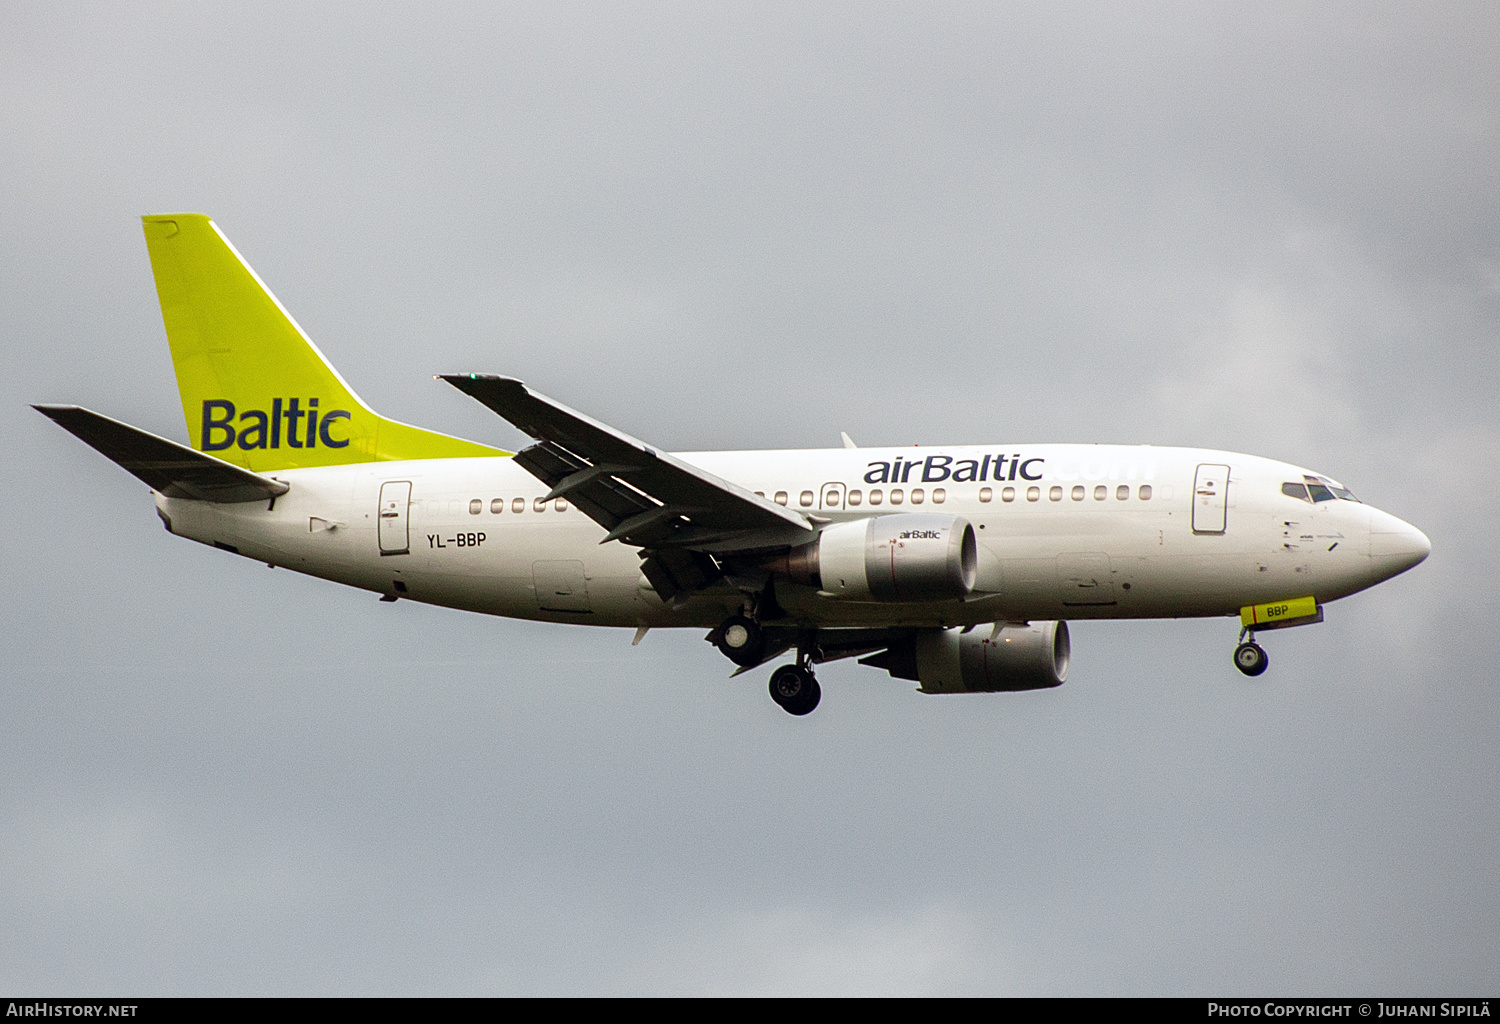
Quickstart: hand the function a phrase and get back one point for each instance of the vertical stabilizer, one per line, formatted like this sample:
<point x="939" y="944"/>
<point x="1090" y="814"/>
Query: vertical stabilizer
<point x="255" y="391"/>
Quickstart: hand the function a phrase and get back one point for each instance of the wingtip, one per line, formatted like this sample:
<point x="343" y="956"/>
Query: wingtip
<point x="475" y="384"/>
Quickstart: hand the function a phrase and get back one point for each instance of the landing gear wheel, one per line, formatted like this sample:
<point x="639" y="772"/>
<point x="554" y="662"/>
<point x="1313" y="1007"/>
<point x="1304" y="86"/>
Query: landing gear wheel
<point x="1250" y="658"/>
<point x="742" y="641"/>
<point x="795" y="689"/>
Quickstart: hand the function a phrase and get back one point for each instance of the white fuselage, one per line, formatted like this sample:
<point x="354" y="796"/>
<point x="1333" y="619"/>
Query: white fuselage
<point x="1085" y="543"/>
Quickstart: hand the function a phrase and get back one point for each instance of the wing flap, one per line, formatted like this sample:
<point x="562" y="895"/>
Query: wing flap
<point x="165" y="466"/>
<point x="598" y="495"/>
<point x="642" y="496"/>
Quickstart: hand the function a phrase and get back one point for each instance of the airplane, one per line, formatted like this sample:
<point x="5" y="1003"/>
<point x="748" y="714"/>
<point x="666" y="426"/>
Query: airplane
<point x="955" y="566"/>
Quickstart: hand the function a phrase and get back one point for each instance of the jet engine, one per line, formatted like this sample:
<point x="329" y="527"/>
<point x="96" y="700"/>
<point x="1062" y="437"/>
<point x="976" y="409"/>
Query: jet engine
<point x="902" y="557"/>
<point x="1010" y="656"/>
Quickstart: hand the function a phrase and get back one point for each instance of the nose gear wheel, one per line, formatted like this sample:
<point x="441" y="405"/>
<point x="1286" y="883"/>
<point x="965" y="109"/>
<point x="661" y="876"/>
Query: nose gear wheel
<point x="1250" y="658"/>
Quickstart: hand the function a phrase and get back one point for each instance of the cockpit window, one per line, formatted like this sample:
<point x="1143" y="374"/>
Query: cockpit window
<point x="1323" y="489"/>
<point x="1293" y="490"/>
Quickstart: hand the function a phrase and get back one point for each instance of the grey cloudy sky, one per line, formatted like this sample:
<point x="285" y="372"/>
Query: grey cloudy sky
<point x="1273" y="228"/>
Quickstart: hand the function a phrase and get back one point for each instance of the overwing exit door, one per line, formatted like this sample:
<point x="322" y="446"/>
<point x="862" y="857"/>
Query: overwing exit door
<point x="395" y="503"/>
<point x="1210" y="494"/>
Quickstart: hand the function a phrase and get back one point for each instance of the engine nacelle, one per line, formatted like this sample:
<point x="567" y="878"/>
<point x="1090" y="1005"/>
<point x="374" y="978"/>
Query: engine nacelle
<point x="1034" y="656"/>
<point x="903" y="557"/>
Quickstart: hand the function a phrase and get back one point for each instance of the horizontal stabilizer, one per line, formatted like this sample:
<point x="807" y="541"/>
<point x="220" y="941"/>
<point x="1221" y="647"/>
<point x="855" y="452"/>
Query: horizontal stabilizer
<point x="166" y="466"/>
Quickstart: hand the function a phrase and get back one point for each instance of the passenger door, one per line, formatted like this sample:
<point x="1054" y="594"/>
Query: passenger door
<point x="831" y="496"/>
<point x="1210" y="494"/>
<point x="395" y="507"/>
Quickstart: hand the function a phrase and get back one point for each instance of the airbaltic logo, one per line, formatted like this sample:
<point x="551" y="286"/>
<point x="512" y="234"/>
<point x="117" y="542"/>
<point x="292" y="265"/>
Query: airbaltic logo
<point x="259" y="429"/>
<point x="936" y="468"/>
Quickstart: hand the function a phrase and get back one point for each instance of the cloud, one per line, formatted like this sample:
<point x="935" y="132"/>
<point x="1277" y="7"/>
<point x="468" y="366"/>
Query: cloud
<point x="798" y="951"/>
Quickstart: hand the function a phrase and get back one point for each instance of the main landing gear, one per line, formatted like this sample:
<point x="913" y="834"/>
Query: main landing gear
<point x="1250" y="657"/>
<point x="741" y="640"/>
<point x="795" y="688"/>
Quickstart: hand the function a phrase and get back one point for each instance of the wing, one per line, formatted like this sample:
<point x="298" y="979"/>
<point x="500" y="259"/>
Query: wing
<point x="675" y="511"/>
<point x="166" y="466"/>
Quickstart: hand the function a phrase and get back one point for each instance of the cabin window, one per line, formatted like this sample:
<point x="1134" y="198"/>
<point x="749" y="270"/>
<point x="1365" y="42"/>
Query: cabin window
<point x="896" y="496"/>
<point x="855" y="497"/>
<point x="831" y="499"/>
<point x="1145" y="492"/>
<point x="805" y="498"/>
<point x="1033" y="493"/>
<point x="917" y="495"/>
<point x="760" y="494"/>
<point x="876" y="496"/>
<point x="1008" y="494"/>
<point x="475" y="507"/>
<point x="1054" y="494"/>
<point x="518" y="505"/>
<point x="939" y="495"/>
<point x="1122" y="493"/>
<point x="538" y="504"/>
<point x="562" y="504"/>
<point x="985" y="494"/>
<point x="1078" y="491"/>
<point x="1101" y="492"/>
<point x="780" y="497"/>
<point x="1295" y="490"/>
<point x="497" y="506"/>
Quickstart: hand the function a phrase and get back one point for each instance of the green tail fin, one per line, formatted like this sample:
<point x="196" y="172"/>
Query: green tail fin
<point x="255" y="391"/>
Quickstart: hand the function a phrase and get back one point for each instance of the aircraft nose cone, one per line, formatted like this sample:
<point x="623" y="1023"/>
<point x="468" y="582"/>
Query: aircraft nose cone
<point x="1395" y="545"/>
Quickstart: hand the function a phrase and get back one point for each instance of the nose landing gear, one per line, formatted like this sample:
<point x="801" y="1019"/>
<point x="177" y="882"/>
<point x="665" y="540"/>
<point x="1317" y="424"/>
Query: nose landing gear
<point x="795" y="689"/>
<point x="1250" y="657"/>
